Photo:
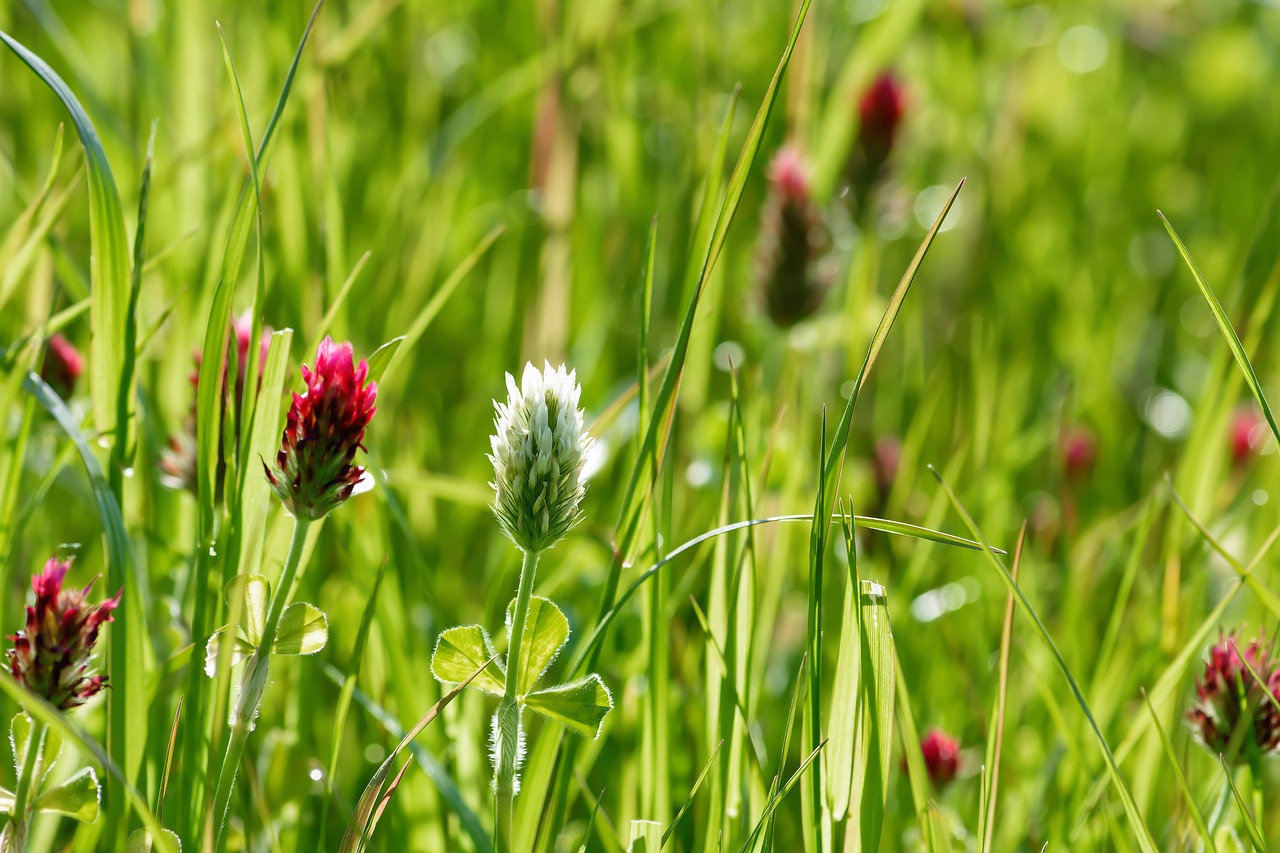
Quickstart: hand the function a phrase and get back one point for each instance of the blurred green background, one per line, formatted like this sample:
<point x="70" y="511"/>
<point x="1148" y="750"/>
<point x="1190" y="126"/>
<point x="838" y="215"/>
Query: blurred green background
<point x="1052" y="301"/>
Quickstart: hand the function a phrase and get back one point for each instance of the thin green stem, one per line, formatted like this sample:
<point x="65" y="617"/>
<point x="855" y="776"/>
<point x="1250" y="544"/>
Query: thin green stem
<point x="19" y="819"/>
<point x="254" y="680"/>
<point x="507" y="735"/>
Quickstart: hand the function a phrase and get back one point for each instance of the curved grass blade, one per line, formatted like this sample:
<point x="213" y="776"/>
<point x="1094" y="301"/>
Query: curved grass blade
<point x="49" y="715"/>
<point x="126" y="708"/>
<point x="1197" y="816"/>
<point x="1145" y="842"/>
<point x="896" y="527"/>
<point x="368" y="800"/>
<point x="1255" y="835"/>
<point x="439" y="298"/>
<point x="1224" y="325"/>
<point x="108" y="249"/>
<point x="995" y="734"/>
<point x="706" y="768"/>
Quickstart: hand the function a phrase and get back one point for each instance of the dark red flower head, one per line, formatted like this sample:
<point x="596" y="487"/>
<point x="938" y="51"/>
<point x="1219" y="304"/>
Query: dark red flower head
<point x="62" y="365"/>
<point x="326" y="425"/>
<point x="1248" y="432"/>
<point x="793" y="242"/>
<point x="881" y="109"/>
<point x="53" y="655"/>
<point x="178" y="461"/>
<point x="1079" y="449"/>
<point x="1228" y="695"/>
<point x="941" y="756"/>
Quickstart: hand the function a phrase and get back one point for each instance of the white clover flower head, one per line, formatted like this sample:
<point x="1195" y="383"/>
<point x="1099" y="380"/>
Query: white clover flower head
<point x="539" y="447"/>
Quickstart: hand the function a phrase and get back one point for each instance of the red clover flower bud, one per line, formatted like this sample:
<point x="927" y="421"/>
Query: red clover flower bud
<point x="1248" y="433"/>
<point x="941" y="756"/>
<point x="62" y="365"/>
<point x="314" y="471"/>
<point x="53" y="655"/>
<point x="793" y="240"/>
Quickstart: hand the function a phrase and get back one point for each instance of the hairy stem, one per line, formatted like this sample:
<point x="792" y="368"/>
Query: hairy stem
<point x="15" y="834"/>
<point x="506" y="733"/>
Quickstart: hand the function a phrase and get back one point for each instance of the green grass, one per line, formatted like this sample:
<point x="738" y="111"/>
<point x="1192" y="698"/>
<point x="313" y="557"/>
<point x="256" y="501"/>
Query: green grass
<point x="464" y="187"/>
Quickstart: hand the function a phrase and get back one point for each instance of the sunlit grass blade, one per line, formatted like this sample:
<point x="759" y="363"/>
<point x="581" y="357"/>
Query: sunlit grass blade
<point x="1250" y="823"/>
<point x="1139" y="828"/>
<point x="995" y="730"/>
<point x="1193" y="808"/>
<point x="917" y="773"/>
<point x="440" y="297"/>
<point x="108" y="249"/>
<point x="1224" y="325"/>
<point x="1268" y="598"/>
<point x="356" y="836"/>
<point x="41" y="710"/>
<point x="1169" y="681"/>
<point x="842" y="720"/>
<point x="777" y="798"/>
<point x="127" y="650"/>
<point x="693" y="792"/>
<point x="344" y="702"/>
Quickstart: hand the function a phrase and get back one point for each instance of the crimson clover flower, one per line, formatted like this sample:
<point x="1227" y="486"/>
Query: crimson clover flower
<point x="326" y="424"/>
<point x="179" y="460"/>
<point x="880" y="110"/>
<point x="62" y="365"/>
<point x="1248" y="435"/>
<point x="941" y="756"/>
<point x="1079" y="448"/>
<point x="1227" y="695"/>
<point x="53" y="655"/>
<point x="793" y="240"/>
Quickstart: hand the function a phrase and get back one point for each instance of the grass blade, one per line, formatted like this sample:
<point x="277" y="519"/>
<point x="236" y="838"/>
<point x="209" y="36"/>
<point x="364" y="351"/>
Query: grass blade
<point x="1224" y="325"/>
<point x="1145" y="841"/>
<point x="108" y="248"/>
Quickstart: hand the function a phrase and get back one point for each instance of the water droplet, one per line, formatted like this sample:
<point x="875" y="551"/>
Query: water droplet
<point x="128" y="472"/>
<point x="316" y="774"/>
<point x="213" y="552"/>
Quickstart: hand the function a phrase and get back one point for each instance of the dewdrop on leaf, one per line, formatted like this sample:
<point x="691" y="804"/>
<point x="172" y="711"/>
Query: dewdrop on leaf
<point x="539" y="448"/>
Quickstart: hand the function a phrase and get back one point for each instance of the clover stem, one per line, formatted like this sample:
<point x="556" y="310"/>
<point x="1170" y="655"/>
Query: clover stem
<point x="506" y="733"/>
<point x="254" y="680"/>
<point x="16" y="832"/>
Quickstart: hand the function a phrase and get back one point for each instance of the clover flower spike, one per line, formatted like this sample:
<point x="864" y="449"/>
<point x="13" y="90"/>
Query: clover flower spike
<point x="538" y="449"/>
<point x="941" y="756"/>
<point x="62" y="365"/>
<point x="793" y="243"/>
<point x="326" y="423"/>
<point x="1227" y="695"/>
<point x="53" y="655"/>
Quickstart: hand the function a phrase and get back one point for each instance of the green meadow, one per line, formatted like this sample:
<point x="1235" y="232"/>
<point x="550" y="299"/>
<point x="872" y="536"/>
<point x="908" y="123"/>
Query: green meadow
<point x="924" y="350"/>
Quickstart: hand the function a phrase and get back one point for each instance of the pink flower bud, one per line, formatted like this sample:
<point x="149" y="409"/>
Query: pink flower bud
<point x="880" y="110"/>
<point x="1228" y="695"/>
<point x="52" y="657"/>
<point x="941" y="756"/>
<point x="1079" y="449"/>
<point x="793" y="240"/>
<point x="62" y="365"/>
<point x="326" y="424"/>
<point x="1248" y="432"/>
